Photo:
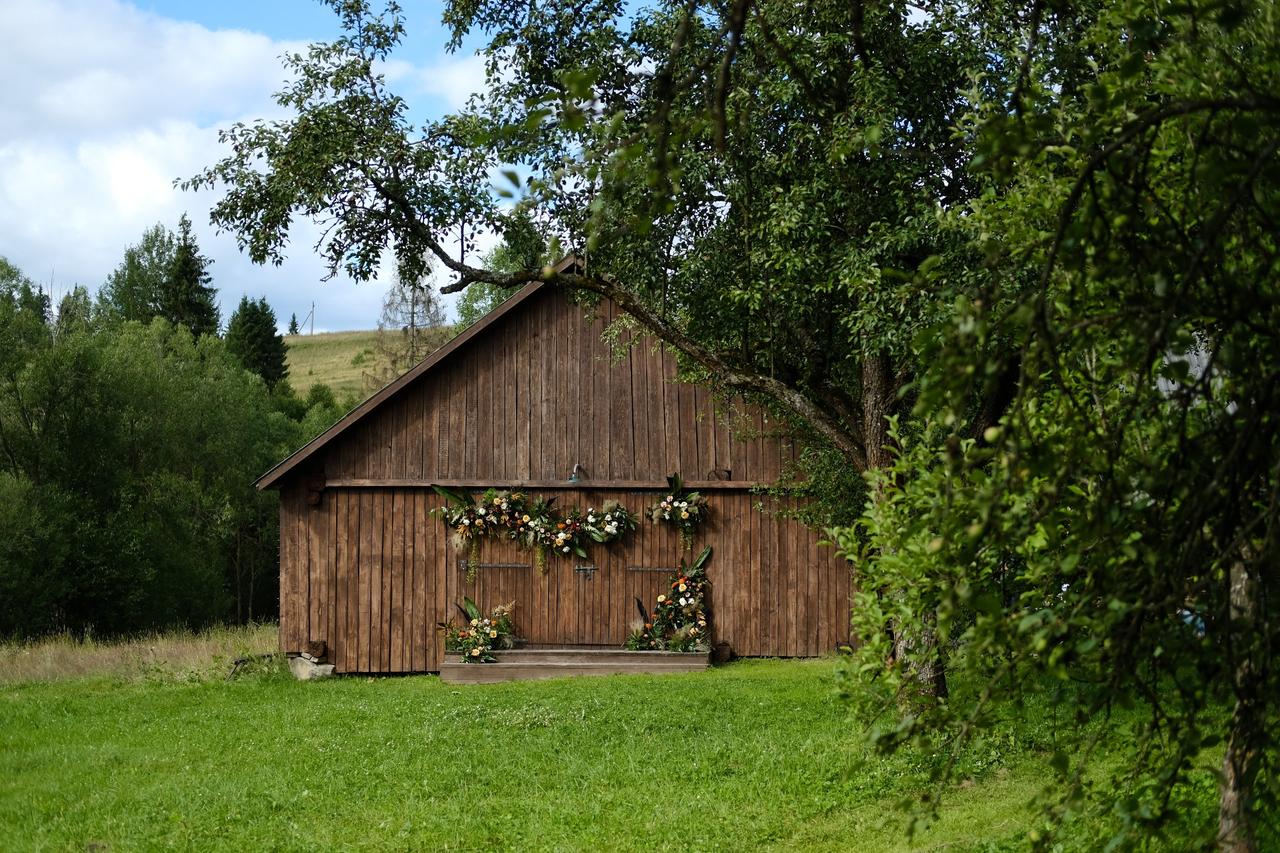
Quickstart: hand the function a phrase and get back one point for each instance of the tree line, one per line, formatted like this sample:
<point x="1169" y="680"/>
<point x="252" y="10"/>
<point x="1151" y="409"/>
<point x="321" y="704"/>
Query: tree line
<point x="132" y="427"/>
<point x="1009" y="269"/>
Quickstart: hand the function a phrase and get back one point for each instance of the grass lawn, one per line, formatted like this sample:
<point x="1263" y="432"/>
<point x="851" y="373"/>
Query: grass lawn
<point x="758" y="754"/>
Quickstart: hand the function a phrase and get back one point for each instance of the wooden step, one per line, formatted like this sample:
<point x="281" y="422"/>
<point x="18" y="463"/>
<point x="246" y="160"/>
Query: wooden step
<point x="534" y="664"/>
<point x="606" y="654"/>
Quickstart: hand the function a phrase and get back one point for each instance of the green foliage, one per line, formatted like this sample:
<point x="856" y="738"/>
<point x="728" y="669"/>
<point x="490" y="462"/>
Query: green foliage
<point x="783" y="226"/>
<point x="164" y="275"/>
<point x="293" y="324"/>
<point x="127" y="458"/>
<point x="1117" y="533"/>
<point x="133" y="291"/>
<point x="187" y="298"/>
<point x="1056" y="219"/>
<point x="252" y="338"/>
<point x="522" y="248"/>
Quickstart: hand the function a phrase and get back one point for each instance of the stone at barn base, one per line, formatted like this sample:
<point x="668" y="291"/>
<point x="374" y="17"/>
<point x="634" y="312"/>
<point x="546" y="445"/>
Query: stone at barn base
<point x="306" y="670"/>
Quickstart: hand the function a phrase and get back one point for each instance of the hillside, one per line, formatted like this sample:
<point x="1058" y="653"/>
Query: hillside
<point x="348" y="362"/>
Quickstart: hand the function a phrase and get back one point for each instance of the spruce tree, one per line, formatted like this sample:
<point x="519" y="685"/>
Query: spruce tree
<point x="186" y="297"/>
<point x="293" y="324"/>
<point x="252" y="338"/>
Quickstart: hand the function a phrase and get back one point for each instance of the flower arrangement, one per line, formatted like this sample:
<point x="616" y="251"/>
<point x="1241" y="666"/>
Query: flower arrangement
<point x="532" y="523"/>
<point x="610" y="524"/>
<point x="480" y="634"/>
<point x="681" y="620"/>
<point x="686" y="510"/>
<point x="468" y="520"/>
<point x="538" y="530"/>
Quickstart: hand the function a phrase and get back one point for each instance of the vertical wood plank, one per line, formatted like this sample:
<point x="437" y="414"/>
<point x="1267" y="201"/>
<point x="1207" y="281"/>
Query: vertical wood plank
<point x="511" y="379"/>
<point x="520" y="372"/>
<point x="537" y="384"/>
<point x="598" y="415"/>
<point x="366" y="569"/>
<point x="401" y="590"/>
<point x="438" y="549"/>
<point x="286" y="572"/>
<point x="333" y="554"/>
<point x="344" y="636"/>
<point x="815" y="609"/>
<point x="360" y="573"/>
<point x="317" y="535"/>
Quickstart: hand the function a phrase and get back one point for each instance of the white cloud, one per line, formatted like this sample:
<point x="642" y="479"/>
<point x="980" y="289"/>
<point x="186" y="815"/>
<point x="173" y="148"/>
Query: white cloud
<point x="75" y="66"/>
<point x="104" y="106"/>
<point x="454" y="80"/>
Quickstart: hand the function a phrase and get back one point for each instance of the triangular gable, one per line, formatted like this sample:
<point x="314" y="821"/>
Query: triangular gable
<point x="280" y="471"/>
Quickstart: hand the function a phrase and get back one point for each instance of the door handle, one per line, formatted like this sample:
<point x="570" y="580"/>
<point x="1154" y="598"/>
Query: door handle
<point x="588" y="572"/>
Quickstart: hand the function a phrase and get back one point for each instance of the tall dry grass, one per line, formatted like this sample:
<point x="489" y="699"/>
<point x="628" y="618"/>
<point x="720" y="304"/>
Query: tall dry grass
<point x="172" y="655"/>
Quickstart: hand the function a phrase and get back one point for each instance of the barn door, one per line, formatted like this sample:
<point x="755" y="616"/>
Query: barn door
<point x="591" y="601"/>
<point x="504" y="575"/>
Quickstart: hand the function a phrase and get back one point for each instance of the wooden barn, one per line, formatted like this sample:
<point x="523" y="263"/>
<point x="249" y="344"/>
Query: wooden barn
<point x="533" y="397"/>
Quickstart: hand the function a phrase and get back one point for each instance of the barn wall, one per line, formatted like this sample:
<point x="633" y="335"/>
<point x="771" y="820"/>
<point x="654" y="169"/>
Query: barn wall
<point x="539" y="391"/>
<point x="368" y="571"/>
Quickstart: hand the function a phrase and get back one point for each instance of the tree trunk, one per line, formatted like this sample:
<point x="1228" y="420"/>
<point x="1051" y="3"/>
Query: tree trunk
<point x="916" y="646"/>
<point x="878" y="396"/>
<point x="1240" y="764"/>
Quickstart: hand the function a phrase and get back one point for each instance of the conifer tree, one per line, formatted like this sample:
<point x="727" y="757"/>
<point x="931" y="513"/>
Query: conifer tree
<point x="252" y="338"/>
<point x="186" y="297"/>
<point x="293" y="324"/>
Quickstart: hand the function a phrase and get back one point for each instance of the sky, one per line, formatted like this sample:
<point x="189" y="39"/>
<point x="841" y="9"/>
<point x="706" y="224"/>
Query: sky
<point x="107" y="102"/>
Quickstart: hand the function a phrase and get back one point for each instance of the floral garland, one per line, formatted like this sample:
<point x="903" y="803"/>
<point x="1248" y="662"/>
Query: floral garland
<point x="533" y="524"/>
<point x="482" y="634"/>
<point x="611" y="523"/>
<point x="686" y="510"/>
<point x="681" y="620"/>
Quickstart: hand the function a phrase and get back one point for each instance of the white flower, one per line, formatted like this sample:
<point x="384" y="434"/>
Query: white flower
<point x="611" y="528"/>
<point x="566" y="549"/>
<point x="670" y="498"/>
<point x="683" y="504"/>
<point x="591" y="519"/>
<point x="480" y="511"/>
<point x="466" y="521"/>
<point x="683" y="601"/>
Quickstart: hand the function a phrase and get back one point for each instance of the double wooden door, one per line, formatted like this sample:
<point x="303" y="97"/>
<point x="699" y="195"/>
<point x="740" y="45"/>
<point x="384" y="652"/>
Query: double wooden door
<point x="574" y="601"/>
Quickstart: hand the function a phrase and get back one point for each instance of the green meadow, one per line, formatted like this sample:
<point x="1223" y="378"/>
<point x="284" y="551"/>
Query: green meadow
<point x="139" y="755"/>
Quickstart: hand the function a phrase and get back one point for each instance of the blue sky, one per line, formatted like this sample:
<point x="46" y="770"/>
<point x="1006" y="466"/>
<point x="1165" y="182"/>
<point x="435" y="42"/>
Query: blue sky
<point x="109" y="101"/>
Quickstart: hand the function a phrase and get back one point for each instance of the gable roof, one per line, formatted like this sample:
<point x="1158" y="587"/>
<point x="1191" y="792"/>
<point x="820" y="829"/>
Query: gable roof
<point x="281" y="470"/>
